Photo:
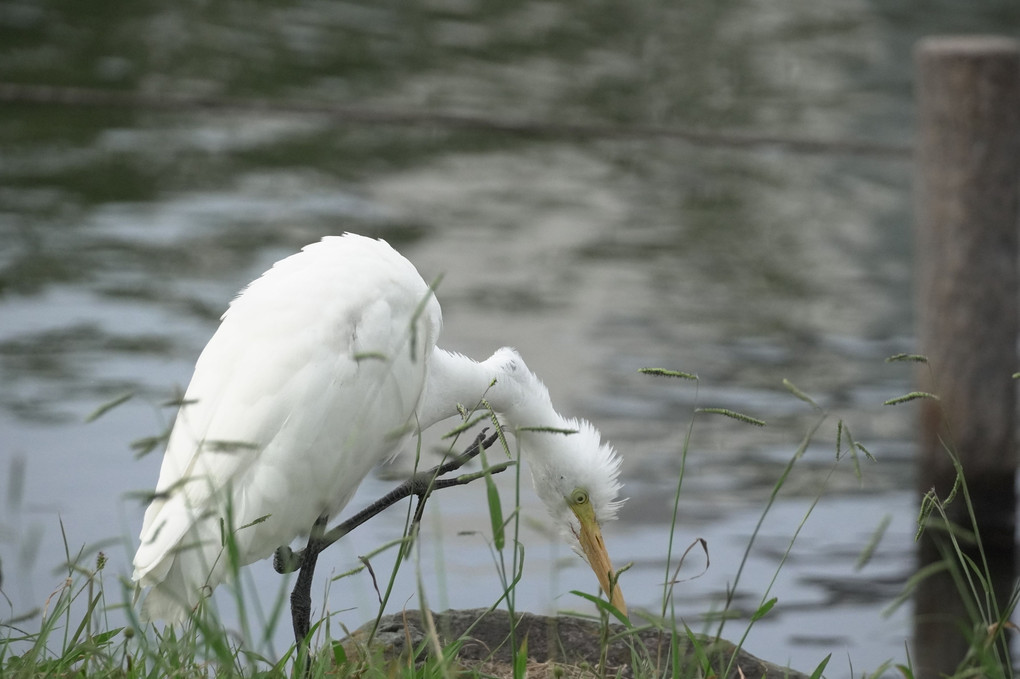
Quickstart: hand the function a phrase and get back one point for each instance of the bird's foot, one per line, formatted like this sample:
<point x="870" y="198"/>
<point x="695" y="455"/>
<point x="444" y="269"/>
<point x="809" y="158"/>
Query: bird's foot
<point x="286" y="560"/>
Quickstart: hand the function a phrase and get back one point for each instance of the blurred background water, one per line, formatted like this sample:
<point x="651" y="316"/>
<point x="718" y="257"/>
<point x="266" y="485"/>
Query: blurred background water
<point x="125" y="231"/>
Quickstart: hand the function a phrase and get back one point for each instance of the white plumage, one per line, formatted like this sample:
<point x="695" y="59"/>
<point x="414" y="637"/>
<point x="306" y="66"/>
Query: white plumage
<point x="317" y="372"/>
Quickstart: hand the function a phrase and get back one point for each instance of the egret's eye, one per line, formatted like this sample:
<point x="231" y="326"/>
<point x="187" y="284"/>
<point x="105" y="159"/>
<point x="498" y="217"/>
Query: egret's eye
<point x="579" y="496"/>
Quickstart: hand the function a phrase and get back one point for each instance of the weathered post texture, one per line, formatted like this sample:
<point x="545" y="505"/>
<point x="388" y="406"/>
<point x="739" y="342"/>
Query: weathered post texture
<point x="968" y="179"/>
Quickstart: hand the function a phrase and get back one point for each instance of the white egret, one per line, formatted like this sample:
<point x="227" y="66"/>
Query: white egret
<point x="318" y="370"/>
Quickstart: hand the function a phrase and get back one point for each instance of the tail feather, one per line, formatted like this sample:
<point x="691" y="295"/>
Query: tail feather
<point x="182" y="576"/>
<point x="168" y="601"/>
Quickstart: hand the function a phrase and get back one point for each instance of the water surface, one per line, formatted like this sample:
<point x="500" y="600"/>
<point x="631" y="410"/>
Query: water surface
<point x="126" y="230"/>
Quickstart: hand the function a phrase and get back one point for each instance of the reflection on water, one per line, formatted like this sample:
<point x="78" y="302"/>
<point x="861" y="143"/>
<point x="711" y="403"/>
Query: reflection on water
<point x="125" y="232"/>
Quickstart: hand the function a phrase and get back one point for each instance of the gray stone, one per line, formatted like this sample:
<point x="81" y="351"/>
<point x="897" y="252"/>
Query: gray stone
<point x="561" y="646"/>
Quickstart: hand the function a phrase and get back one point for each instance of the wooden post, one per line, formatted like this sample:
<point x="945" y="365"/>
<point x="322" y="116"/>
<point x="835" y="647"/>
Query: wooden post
<point x="967" y="186"/>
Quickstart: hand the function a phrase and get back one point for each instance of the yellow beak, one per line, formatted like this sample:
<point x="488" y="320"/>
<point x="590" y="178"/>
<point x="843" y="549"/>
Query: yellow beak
<point x="590" y="537"/>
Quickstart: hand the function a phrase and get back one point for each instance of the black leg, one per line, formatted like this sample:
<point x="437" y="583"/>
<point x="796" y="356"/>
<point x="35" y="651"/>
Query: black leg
<point x="301" y="596"/>
<point x="422" y="484"/>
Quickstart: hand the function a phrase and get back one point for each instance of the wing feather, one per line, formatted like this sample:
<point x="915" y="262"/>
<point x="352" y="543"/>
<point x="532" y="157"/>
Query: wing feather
<point x="292" y="402"/>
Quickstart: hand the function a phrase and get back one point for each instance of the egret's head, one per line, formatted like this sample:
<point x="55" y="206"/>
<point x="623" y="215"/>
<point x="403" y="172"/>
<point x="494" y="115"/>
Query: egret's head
<point x="576" y="476"/>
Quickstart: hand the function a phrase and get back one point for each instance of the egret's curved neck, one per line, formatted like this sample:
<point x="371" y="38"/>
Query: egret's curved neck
<point x="503" y="380"/>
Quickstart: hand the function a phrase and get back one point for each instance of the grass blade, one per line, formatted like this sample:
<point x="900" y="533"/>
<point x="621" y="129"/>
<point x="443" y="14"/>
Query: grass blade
<point x="817" y="674"/>
<point x="913" y="358"/>
<point x="495" y="508"/>
<point x="793" y="389"/>
<point x="108" y="406"/>
<point x="764" y="609"/>
<point x="747" y="419"/>
<point x="662" y="372"/>
<point x="912" y="396"/>
<point x="876" y="537"/>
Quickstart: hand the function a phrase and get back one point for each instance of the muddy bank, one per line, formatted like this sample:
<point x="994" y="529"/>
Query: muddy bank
<point x="557" y="646"/>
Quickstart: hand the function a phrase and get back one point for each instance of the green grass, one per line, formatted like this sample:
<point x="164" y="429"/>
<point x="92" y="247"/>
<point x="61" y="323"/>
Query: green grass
<point x="71" y="635"/>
